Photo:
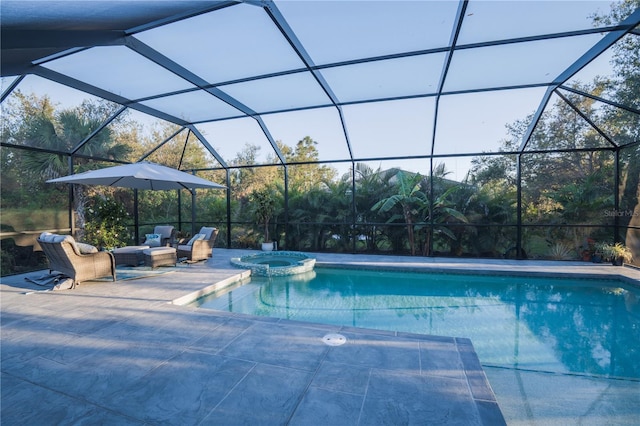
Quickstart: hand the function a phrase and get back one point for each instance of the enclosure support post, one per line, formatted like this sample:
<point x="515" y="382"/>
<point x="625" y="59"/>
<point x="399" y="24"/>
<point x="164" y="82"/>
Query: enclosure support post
<point x="354" y="210"/>
<point x="616" y="200"/>
<point x="286" y="212"/>
<point x="228" y="178"/>
<point x="431" y="206"/>
<point x="519" y="251"/>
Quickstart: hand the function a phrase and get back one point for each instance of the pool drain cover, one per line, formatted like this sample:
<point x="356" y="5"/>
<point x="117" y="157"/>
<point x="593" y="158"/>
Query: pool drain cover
<point x="333" y="339"/>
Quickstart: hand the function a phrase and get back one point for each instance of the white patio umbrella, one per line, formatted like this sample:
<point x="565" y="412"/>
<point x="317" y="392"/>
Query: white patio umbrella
<point x="143" y="175"/>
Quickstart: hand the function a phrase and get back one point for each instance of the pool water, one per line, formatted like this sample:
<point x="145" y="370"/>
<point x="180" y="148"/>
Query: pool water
<point x="589" y="327"/>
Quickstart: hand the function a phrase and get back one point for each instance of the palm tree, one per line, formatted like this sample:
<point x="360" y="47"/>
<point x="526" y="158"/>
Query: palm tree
<point x="409" y="198"/>
<point x="336" y="212"/>
<point x="370" y="186"/>
<point x="443" y="215"/>
<point x="62" y="131"/>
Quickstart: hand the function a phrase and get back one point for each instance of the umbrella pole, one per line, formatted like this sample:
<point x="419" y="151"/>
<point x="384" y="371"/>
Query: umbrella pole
<point x="136" y="219"/>
<point x="193" y="212"/>
<point x="72" y="216"/>
<point x="179" y="210"/>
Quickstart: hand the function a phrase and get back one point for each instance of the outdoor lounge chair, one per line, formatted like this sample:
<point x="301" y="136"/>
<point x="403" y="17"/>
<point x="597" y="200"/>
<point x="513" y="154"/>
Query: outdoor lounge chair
<point x="200" y="246"/>
<point x="65" y="257"/>
<point x="166" y="236"/>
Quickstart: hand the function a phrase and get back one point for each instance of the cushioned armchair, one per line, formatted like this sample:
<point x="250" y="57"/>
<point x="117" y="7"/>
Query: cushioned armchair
<point x="200" y="246"/>
<point x="65" y="256"/>
<point x="166" y="236"/>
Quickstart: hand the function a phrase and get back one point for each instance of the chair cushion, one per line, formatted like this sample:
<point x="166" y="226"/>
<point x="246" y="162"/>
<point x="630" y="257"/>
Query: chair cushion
<point x="164" y="231"/>
<point x="46" y="236"/>
<point x="67" y="239"/>
<point x="207" y="231"/>
<point x="153" y="240"/>
<point x="57" y="238"/>
<point x="85" y="248"/>
<point x="130" y="249"/>
<point x="157" y="251"/>
<point x="196" y="238"/>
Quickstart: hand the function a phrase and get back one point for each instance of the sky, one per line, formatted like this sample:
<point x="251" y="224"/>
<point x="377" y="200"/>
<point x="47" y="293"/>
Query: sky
<point x="467" y="123"/>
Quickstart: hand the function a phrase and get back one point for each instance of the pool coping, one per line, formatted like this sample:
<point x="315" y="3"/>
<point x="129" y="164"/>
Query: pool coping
<point x="217" y="286"/>
<point x="484" y="272"/>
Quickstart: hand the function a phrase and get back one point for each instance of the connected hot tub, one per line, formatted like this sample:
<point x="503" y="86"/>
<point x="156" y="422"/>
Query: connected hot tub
<point x="275" y="263"/>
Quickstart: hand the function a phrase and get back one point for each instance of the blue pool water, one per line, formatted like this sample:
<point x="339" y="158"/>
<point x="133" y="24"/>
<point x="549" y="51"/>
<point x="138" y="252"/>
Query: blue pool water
<point x="589" y="327"/>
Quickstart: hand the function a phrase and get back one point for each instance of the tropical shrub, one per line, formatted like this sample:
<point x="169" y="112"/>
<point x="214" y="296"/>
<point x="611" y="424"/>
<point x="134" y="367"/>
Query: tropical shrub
<point x="106" y="223"/>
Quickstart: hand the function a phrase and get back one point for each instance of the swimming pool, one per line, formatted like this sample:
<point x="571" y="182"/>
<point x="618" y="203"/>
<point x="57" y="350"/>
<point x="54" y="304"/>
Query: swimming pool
<point x="557" y="325"/>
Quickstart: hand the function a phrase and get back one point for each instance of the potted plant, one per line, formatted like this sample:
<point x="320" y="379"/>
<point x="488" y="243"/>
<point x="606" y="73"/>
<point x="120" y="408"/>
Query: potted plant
<point x="264" y="207"/>
<point x="596" y="257"/>
<point x="616" y="253"/>
<point x="589" y="251"/>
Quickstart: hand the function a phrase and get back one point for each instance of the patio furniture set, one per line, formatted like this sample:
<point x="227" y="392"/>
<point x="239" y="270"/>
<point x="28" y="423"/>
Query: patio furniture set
<point x="162" y="249"/>
<point x="156" y="250"/>
<point x="83" y="262"/>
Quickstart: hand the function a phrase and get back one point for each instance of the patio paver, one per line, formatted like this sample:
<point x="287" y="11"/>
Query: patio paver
<point x="121" y="353"/>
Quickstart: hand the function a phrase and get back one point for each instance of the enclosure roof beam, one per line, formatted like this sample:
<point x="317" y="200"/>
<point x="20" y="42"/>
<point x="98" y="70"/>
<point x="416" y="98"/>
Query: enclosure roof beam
<point x="208" y="146"/>
<point x="600" y="99"/>
<point x="177" y="69"/>
<point x="587" y="119"/>
<point x="96" y="131"/>
<point x="462" y="7"/>
<point x="104" y="94"/>
<point x="161" y="144"/>
<point x="295" y="43"/>
<point x="10" y="88"/>
<point x="181" y="16"/>
<point x="605" y="43"/>
<point x="160" y="59"/>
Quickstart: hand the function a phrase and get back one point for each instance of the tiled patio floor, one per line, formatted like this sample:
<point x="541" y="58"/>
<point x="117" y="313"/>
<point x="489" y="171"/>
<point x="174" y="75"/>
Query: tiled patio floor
<point x="122" y="353"/>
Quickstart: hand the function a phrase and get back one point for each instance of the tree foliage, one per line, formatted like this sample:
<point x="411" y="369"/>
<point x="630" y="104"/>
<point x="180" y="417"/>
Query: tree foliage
<point x="106" y="226"/>
<point x="567" y="174"/>
<point x="35" y="122"/>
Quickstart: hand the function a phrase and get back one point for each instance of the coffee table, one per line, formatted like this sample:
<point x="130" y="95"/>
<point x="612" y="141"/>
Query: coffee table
<point x="129" y="255"/>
